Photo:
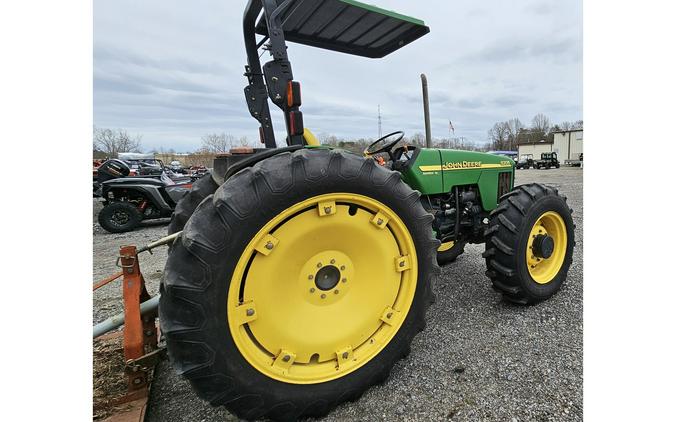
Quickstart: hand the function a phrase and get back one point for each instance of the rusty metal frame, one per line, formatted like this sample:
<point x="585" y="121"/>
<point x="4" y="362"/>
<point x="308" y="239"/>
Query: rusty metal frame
<point x="140" y="332"/>
<point x="140" y="336"/>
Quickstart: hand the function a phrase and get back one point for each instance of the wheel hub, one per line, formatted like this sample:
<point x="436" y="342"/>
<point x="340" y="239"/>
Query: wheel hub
<point x="327" y="277"/>
<point x="120" y="217"/>
<point x="542" y="246"/>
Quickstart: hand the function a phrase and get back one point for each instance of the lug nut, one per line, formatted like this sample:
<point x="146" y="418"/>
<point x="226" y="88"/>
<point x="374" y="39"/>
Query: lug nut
<point x="380" y="221"/>
<point x="310" y="277"/>
<point x="389" y="315"/>
<point x="286" y="358"/>
<point x="323" y="295"/>
<point x="269" y="246"/>
<point x="342" y="267"/>
<point x="319" y="265"/>
<point x="327" y="210"/>
<point x="312" y="290"/>
<point x="345" y="355"/>
<point x="250" y="312"/>
<point x="336" y="291"/>
<point x="344" y="280"/>
<point x="332" y="261"/>
<point x="402" y="264"/>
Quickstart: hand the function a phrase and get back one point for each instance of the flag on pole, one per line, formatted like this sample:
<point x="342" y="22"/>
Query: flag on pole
<point x="452" y="128"/>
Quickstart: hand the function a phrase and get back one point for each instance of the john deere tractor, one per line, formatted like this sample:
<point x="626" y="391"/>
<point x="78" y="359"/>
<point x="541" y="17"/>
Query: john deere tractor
<point x="303" y="272"/>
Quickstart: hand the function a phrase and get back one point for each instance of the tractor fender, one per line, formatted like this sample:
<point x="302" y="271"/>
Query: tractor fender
<point x="224" y="167"/>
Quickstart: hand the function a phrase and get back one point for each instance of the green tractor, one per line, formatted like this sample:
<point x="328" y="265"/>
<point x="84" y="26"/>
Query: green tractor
<point x="303" y="272"/>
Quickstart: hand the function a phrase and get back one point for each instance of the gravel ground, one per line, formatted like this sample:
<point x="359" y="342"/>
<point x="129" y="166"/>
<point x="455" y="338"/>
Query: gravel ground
<point x="479" y="358"/>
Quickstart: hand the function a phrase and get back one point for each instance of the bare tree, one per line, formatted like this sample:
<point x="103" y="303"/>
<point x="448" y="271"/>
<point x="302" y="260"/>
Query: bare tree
<point x="541" y="123"/>
<point x="217" y="143"/>
<point x="244" y="142"/>
<point x="565" y="126"/>
<point x="513" y="126"/>
<point x="499" y="135"/>
<point x="112" y="141"/>
<point x="417" y="139"/>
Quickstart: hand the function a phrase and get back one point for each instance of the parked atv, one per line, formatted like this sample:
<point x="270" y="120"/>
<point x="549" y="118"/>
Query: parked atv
<point x="130" y="200"/>
<point x="176" y="167"/>
<point x="526" y="161"/>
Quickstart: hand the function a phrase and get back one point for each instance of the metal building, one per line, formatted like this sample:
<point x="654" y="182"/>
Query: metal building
<point x="568" y="144"/>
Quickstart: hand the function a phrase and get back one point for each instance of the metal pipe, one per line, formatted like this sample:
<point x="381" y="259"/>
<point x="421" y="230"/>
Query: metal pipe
<point x="458" y="214"/>
<point x="163" y="241"/>
<point x="425" y="100"/>
<point x="118" y="320"/>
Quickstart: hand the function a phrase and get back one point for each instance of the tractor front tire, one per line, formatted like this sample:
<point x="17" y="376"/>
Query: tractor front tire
<point x="119" y="217"/>
<point x="202" y="188"/>
<point x="529" y="243"/>
<point x="298" y="284"/>
<point x="446" y="255"/>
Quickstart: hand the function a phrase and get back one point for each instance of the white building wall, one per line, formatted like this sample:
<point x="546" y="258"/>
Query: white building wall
<point x="577" y="145"/>
<point x="568" y="145"/>
<point x="534" y="149"/>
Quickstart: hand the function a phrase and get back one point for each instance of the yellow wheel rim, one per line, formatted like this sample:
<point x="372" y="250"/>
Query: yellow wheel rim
<point x="543" y="270"/>
<point x="322" y="288"/>
<point x="446" y="246"/>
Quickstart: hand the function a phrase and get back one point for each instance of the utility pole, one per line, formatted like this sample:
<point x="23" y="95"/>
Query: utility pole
<point x="379" y="122"/>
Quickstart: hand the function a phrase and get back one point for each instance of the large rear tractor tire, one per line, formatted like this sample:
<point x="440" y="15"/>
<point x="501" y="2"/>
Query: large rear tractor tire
<point x="449" y="251"/>
<point x="529" y="243"/>
<point x="298" y="284"/>
<point x="119" y="217"/>
<point x="202" y="188"/>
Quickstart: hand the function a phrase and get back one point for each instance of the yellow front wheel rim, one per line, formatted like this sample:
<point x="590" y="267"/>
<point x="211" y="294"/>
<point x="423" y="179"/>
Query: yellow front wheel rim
<point x="543" y="269"/>
<point x="446" y="246"/>
<point x="322" y="288"/>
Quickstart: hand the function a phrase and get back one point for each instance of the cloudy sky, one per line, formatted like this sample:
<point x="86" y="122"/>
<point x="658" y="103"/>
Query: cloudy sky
<point x="171" y="70"/>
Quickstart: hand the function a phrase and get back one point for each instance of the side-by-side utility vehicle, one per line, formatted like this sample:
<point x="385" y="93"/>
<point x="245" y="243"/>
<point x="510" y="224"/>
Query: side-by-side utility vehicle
<point x="547" y="161"/>
<point x="304" y="272"/>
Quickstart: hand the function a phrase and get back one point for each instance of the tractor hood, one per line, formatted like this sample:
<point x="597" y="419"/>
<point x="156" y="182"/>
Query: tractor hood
<point x="471" y="160"/>
<point x="435" y="171"/>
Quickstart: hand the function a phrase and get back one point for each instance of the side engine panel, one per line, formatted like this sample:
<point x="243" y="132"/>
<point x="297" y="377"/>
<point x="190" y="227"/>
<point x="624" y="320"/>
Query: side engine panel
<point x="459" y="188"/>
<point x="438" y="171"/>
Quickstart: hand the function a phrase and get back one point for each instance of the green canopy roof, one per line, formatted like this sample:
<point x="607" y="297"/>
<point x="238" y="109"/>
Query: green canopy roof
<point x="347" y="26"/>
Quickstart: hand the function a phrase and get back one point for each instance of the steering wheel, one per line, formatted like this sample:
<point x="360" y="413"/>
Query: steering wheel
<point x="384" y="145"/>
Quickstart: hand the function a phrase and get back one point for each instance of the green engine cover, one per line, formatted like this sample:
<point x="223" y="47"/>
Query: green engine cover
<point x="436" y="171"/>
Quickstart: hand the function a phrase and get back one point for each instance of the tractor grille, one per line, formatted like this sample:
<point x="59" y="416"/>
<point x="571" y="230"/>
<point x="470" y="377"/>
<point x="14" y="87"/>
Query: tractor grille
<point x="504" y="184"/>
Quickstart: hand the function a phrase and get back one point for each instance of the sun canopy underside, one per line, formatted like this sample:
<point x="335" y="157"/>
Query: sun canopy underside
<point x="347" y="26"/>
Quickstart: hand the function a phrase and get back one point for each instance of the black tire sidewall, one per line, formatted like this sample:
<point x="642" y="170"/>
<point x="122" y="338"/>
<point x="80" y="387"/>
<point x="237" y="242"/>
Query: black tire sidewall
<point x="105" y="217"/>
